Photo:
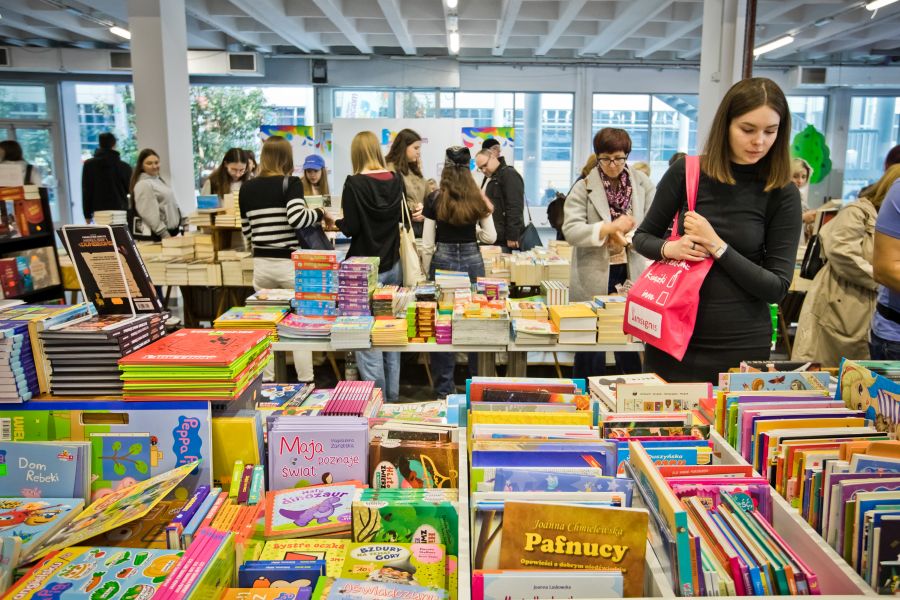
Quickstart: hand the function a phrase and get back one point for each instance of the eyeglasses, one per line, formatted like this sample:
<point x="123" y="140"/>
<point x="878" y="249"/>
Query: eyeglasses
<point x="618" y="161"/>
<point x="482" y="167"/>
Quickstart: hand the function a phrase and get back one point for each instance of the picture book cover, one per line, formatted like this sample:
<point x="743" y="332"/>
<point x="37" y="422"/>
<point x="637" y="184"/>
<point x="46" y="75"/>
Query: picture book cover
<point x="402" y="564"/>
<point x="281" y="573"/>
<point x="861" y="387"/>
<point x="119" y="456"/>
<point x="44" y="470"/>
<point x="777" y="381"/>
<point x="97" y="257"/>
<point x="310" y="511"/>
<point x="81" y="572"/>
<point x="534" y="480"/>
<point x="413" y="465"/>
<point x="115" y="509"/>
<point x="35" y="520"/>
<point x="537" y="585"/>
<point x="351" y="589"/>
<point x="410" y="521"/>
<point x="665" y="397"/>
<point x="147" y="532"/>
<point x="549" y="536"/>
<point x="332" y="551"/>
<point x="197" y="347"/>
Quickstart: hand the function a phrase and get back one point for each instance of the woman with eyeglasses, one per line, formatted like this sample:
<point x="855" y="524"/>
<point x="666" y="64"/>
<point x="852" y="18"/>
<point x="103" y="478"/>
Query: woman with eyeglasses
<point x="601" y="213"/>
<point x="228" y="177"/>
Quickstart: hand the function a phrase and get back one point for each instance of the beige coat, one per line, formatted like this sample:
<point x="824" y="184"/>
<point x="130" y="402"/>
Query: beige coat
<point x="585" y="209"/>
<point x="415" y="188"/>
<point x="834" y="321"/>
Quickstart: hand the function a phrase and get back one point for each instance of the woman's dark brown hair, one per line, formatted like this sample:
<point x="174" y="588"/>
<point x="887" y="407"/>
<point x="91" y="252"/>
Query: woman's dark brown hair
<point x="11" y="150"/>
<point x="139" y="168"/>
<point x="745" y="96"/>
<point x="611" y="139"/>
<point x="459" y="200"/>
<point x="220" y="180"/>
<point x="397" y="154"/>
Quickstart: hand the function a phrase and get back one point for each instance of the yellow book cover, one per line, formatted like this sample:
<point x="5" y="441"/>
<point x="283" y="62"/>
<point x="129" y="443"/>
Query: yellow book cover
<point x="278" y="593"/>
<point x="573" y="317"/>
<point x="554" y="536"/>
<point x="489" y="417"/>
<point x="233" y="439"/>
<point x="332" y="551"/>
<point x="780" y="424"/>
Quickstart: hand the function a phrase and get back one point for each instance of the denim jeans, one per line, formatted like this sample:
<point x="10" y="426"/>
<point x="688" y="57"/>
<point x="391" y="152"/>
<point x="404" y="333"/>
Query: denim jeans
<point x="383" y="367"/>
<point x="882" y="349"/>
<point x="454" y="257"/>
<point x="592" y="364"/>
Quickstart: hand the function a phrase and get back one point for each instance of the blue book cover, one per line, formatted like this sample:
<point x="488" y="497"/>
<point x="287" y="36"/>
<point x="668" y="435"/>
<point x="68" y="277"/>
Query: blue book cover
<point x="603" y="459"/>
<point x="44" y="469"/>
<point x="281" y="573"/>
<point x="35" y="520"/>
<point x="535" y="480"/>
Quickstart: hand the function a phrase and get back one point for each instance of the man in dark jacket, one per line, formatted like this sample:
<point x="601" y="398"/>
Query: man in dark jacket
<point x="104" y="179"/>
<point x="506" y="190"/>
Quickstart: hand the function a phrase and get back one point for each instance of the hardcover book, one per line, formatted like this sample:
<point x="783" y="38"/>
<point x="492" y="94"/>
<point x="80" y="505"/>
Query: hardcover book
<point x="305" y="451"/>
<point x="35" y="521"/>
<point x="332" y="551"/>
<point x="404" y="564"/>
<point x="413" y="465"/>
<point x="309" y="511"/>
<point x="351" y="589"/>
<point x="45" y="469"/>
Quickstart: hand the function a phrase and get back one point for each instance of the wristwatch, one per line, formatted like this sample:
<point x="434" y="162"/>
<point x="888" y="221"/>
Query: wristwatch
<point x="720" y="251"/>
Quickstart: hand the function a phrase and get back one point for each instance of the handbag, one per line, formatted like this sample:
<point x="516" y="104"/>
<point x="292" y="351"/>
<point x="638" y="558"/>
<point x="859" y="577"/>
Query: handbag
<point x="661" y="306"/>
<point x="529" y="238"/>
<point x="812" y="259"/>
<point x="312" y="237"/>
<point x="409" y="256"/>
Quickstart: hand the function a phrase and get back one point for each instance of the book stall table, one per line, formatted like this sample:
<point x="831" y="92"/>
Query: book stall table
<point x="517" y="357"/>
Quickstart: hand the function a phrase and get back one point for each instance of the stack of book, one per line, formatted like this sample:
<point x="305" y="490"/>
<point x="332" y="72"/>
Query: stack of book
<point x="577" y="323"/>
<point x="196" y="364"/>
<point x="271" y="297"/>
<point x="420" y="322"/>
<point x="604" y="389"/>
<point x="534" y="331"/>
<point x="204" y="272"/>
<point x="556" y="292"/>
<point x="389" y="332"/>
<point x="232" y="214"/>
<point x="179" y="247"/>
<point x="384" y="301"/>
<point x="443" y="329"/>
<point x="299" y="327"/>
<point x="493" y="288"/>
<point x="83" y="354"/>
<point x="111" y="217"/>
<point x="350" y="399"/>
<point x="315" y="282"/>
<point x="351" y="333"/>
<point x="18" y="373"/>
<point x="265" y="318"/>
<point x="610" y="316"/>
<point x="358" y="277"/>
<point x="237" y="267"/>
<point x="526" y="309"/>
<point x="451" y="280"/>
<point x="203" y="246"/>
<point x="480" y="324"/>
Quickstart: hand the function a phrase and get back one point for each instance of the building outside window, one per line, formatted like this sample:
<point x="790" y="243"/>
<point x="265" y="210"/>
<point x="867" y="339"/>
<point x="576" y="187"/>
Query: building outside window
<point x="872" y="132"/>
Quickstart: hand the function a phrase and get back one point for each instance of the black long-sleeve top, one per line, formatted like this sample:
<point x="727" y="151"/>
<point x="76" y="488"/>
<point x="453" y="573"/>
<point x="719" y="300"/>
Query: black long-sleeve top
<point x="762" y="230"/>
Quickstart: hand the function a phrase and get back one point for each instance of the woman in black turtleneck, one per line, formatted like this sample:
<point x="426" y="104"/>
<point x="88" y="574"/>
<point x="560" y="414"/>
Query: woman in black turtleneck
<point x="748" y="216"/>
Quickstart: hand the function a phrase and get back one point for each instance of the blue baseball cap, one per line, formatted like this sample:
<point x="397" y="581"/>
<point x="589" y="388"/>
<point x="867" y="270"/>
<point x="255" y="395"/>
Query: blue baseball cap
<point x="314" y="162"/>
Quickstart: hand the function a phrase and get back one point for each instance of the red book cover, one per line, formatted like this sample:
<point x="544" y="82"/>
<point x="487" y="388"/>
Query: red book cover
<point x="30" y="216"/>
<point x="207" y="347"/>
<point x="315" y="296"/>
<point x="10" y="281"/>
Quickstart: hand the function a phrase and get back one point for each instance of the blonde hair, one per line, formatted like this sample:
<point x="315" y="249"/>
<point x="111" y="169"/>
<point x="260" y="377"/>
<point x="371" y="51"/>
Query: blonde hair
<point x="589" y="165"/>
<point x="883" y="185"/>
<point x="365" y="153"/>
<point x="276" y="158"/>
<point x="642" y="167"/>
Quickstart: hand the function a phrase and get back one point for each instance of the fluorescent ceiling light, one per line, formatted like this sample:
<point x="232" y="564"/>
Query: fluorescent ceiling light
<point x="779" y="43"/>
<point x="454" y="42"/>
<point x="876" y="4"/>
<point x="451" y="4"/>
<point x="122" y="33"/>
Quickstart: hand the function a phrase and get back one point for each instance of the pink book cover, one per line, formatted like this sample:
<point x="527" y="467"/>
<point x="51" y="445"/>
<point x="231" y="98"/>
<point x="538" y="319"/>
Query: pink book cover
<point x="167" y="590"/>
<point x="829" y="415"/>
<point x="746" y="416"/>
<point x="192" y="560"/>
<point x="203" y="558"/>
<point x="811" y="579"/>
<point x="477" y="586"/>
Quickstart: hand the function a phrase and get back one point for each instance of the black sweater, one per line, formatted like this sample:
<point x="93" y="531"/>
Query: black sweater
<point x="372" y="205"/>
<point x="104" y="183"/>
<point x="762" y="230"/>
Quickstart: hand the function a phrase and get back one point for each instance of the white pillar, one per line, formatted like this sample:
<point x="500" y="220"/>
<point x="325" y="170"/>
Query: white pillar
<point x="836" y="134"/>
<point x="161" y="90"/>
<point x="583" y="132"/>
<point x="72" y="132"/>
<point x="720" y="58"/>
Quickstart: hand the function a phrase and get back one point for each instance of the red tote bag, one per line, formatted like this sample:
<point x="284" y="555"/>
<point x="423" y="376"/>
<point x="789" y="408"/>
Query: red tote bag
<point x="661" y="308"/>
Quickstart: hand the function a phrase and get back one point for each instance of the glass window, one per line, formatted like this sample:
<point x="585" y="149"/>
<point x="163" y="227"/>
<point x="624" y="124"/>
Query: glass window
<point x="447" y="102"/>
<point x="289" y="105"/>
<point x="103" y="108"/>
<point x="363" y="104"/>
<point x="416" y="105"/>
<point x="23" y="102"/>
<point x="486" y="109"/>
<point x="873" y="131"/>
<point x="807" y="110"/>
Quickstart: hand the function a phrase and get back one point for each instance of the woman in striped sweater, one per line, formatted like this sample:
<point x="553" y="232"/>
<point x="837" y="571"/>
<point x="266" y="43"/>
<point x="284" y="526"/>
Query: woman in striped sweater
<point x="272" y="210"/>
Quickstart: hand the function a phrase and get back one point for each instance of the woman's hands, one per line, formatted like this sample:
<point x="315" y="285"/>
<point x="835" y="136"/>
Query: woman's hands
<point x="417" y="213"/>
<point x="701" y="232"/>
<point x="689" y="247"/>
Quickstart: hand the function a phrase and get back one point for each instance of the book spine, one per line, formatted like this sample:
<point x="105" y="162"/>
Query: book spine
<point x="175" y="528"/>
<point x="244" y="489"/>
<point x="193" y="525"/>
<point x="214" y="510"/>
<point x="256" y="484"/>
<point x="236" y="472"/>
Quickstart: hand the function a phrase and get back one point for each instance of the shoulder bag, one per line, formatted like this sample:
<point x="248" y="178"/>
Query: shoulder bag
<point x="529" y="238"/>
<point x="661" y="307"/>
<point x="312" y="237"/>
<point x="409" y="256"/>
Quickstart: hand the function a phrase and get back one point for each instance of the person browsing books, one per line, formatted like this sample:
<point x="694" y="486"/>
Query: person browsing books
<point x="747" y="217"/>
<point x="11" y="153"/>
<point x="105" y="178"/>
<point x="272" y="212"/>
<point x="405" y="159"/>
<point x="371" y="202"/>
<point x="315" y="176"/>
<point x="601" y="212"/>
<point x="228" y="177"/>
<point x="506" y="191"/>
<point x="457" y="218"/>
<point x="157" y="215"/>
<point x="884" y="338"/>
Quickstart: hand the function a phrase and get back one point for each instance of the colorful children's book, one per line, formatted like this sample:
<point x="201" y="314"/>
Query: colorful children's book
<point x="304" y="451"/>
<point x="402" y="564"/>
<point x="81" y="572"/>
<point x="406" y="518"/>
<point x="351" y="589"/>
<point x="35" y="521"/>
<point x="534" y="480"/>
<point x="332" y="551"/>
<point x="265" y="594"/>
<point x="310" y="511"/>
<point x="45" y="469"/>
<point x="281" y="573"/>
<point x="413" y="465"/>
<point x="148" y="532"/>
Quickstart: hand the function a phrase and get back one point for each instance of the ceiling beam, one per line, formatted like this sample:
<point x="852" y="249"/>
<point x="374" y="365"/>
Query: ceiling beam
<point x="783" y="7"/>
<point x="568" y="14"/>
<point x="30" y="30"/>
<point x="271" y="14"/>
<point x="626" y="23"/>
<point x="336" y="15"/>
<point x="200" y="11"/>
<point x="398" y="24"/>
<point x="505" y="25"/>
<point x="674" y="32"/>
<point x="63" y="19"/>
<point x="876" y="33"/>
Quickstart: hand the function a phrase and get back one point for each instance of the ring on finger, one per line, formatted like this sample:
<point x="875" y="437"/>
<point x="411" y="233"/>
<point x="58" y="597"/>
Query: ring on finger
<point x="693" y="245"/>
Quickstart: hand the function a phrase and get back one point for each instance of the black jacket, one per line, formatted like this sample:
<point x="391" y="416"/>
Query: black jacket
<point x="372" y="209"/>
<point x="507" y="191"/>
<point x="104" y="183"/>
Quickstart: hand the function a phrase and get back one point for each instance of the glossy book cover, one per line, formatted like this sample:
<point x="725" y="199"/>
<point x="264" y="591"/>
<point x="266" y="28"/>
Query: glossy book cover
<point x="309" y="511"/>
<point x="304" y="451"/>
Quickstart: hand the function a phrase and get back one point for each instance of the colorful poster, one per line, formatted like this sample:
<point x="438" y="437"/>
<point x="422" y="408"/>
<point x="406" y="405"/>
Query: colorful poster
<point x="473" y="137"/>
<point x="304" y="142"/>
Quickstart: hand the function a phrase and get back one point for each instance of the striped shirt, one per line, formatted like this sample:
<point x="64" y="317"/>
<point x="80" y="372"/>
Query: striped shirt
<point x="268" y="220"/>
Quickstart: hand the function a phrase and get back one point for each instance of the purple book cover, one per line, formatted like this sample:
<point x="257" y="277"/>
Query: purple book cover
<point x="307" y="451"/>
<point x="848" y="491"/>
<point x="176" y="526"/>
<point x="756" y="494"/>
<point x="748" y="427"/>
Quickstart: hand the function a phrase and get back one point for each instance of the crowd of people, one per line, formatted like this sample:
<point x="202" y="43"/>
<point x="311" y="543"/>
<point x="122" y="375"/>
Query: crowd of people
<point x="752" y="209"/>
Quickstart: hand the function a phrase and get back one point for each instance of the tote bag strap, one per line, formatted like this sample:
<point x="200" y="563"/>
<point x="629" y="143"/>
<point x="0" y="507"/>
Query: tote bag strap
<point x="691" y="184"/>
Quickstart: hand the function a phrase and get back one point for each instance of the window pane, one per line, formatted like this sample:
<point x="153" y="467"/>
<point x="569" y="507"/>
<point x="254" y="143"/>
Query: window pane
<point x="807" y="110"/>
<point x="37" y="148"/>
<point x="289" y="105"/>
<point x="673" y="129"/>
<point x="873" y="131"/>
<point x="363" y="104"/>
<point x="630" y="112"/>
<point x="416" y="105"/>
<point x="103" y="108"/>
<point x="447" y="110"/>
<point x="486" y="109"/>
<point x="23" y="102"/>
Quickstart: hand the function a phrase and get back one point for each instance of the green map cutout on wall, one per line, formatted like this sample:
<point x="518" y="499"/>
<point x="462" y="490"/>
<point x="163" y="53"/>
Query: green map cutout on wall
<point x="810" y="145"/>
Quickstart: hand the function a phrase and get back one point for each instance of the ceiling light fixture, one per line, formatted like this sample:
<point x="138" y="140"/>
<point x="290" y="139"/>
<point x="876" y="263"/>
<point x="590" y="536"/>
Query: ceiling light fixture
<point x="451" y="4"/>
<point x="779" y="43"/>
<point x="119" y="31"/>
<point x="454" y="42"/>
<point x="876" y="4"/>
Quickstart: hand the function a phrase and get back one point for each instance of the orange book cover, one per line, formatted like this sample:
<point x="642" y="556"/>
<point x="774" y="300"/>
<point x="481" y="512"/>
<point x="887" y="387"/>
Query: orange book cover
<point x="206" y="347"/>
